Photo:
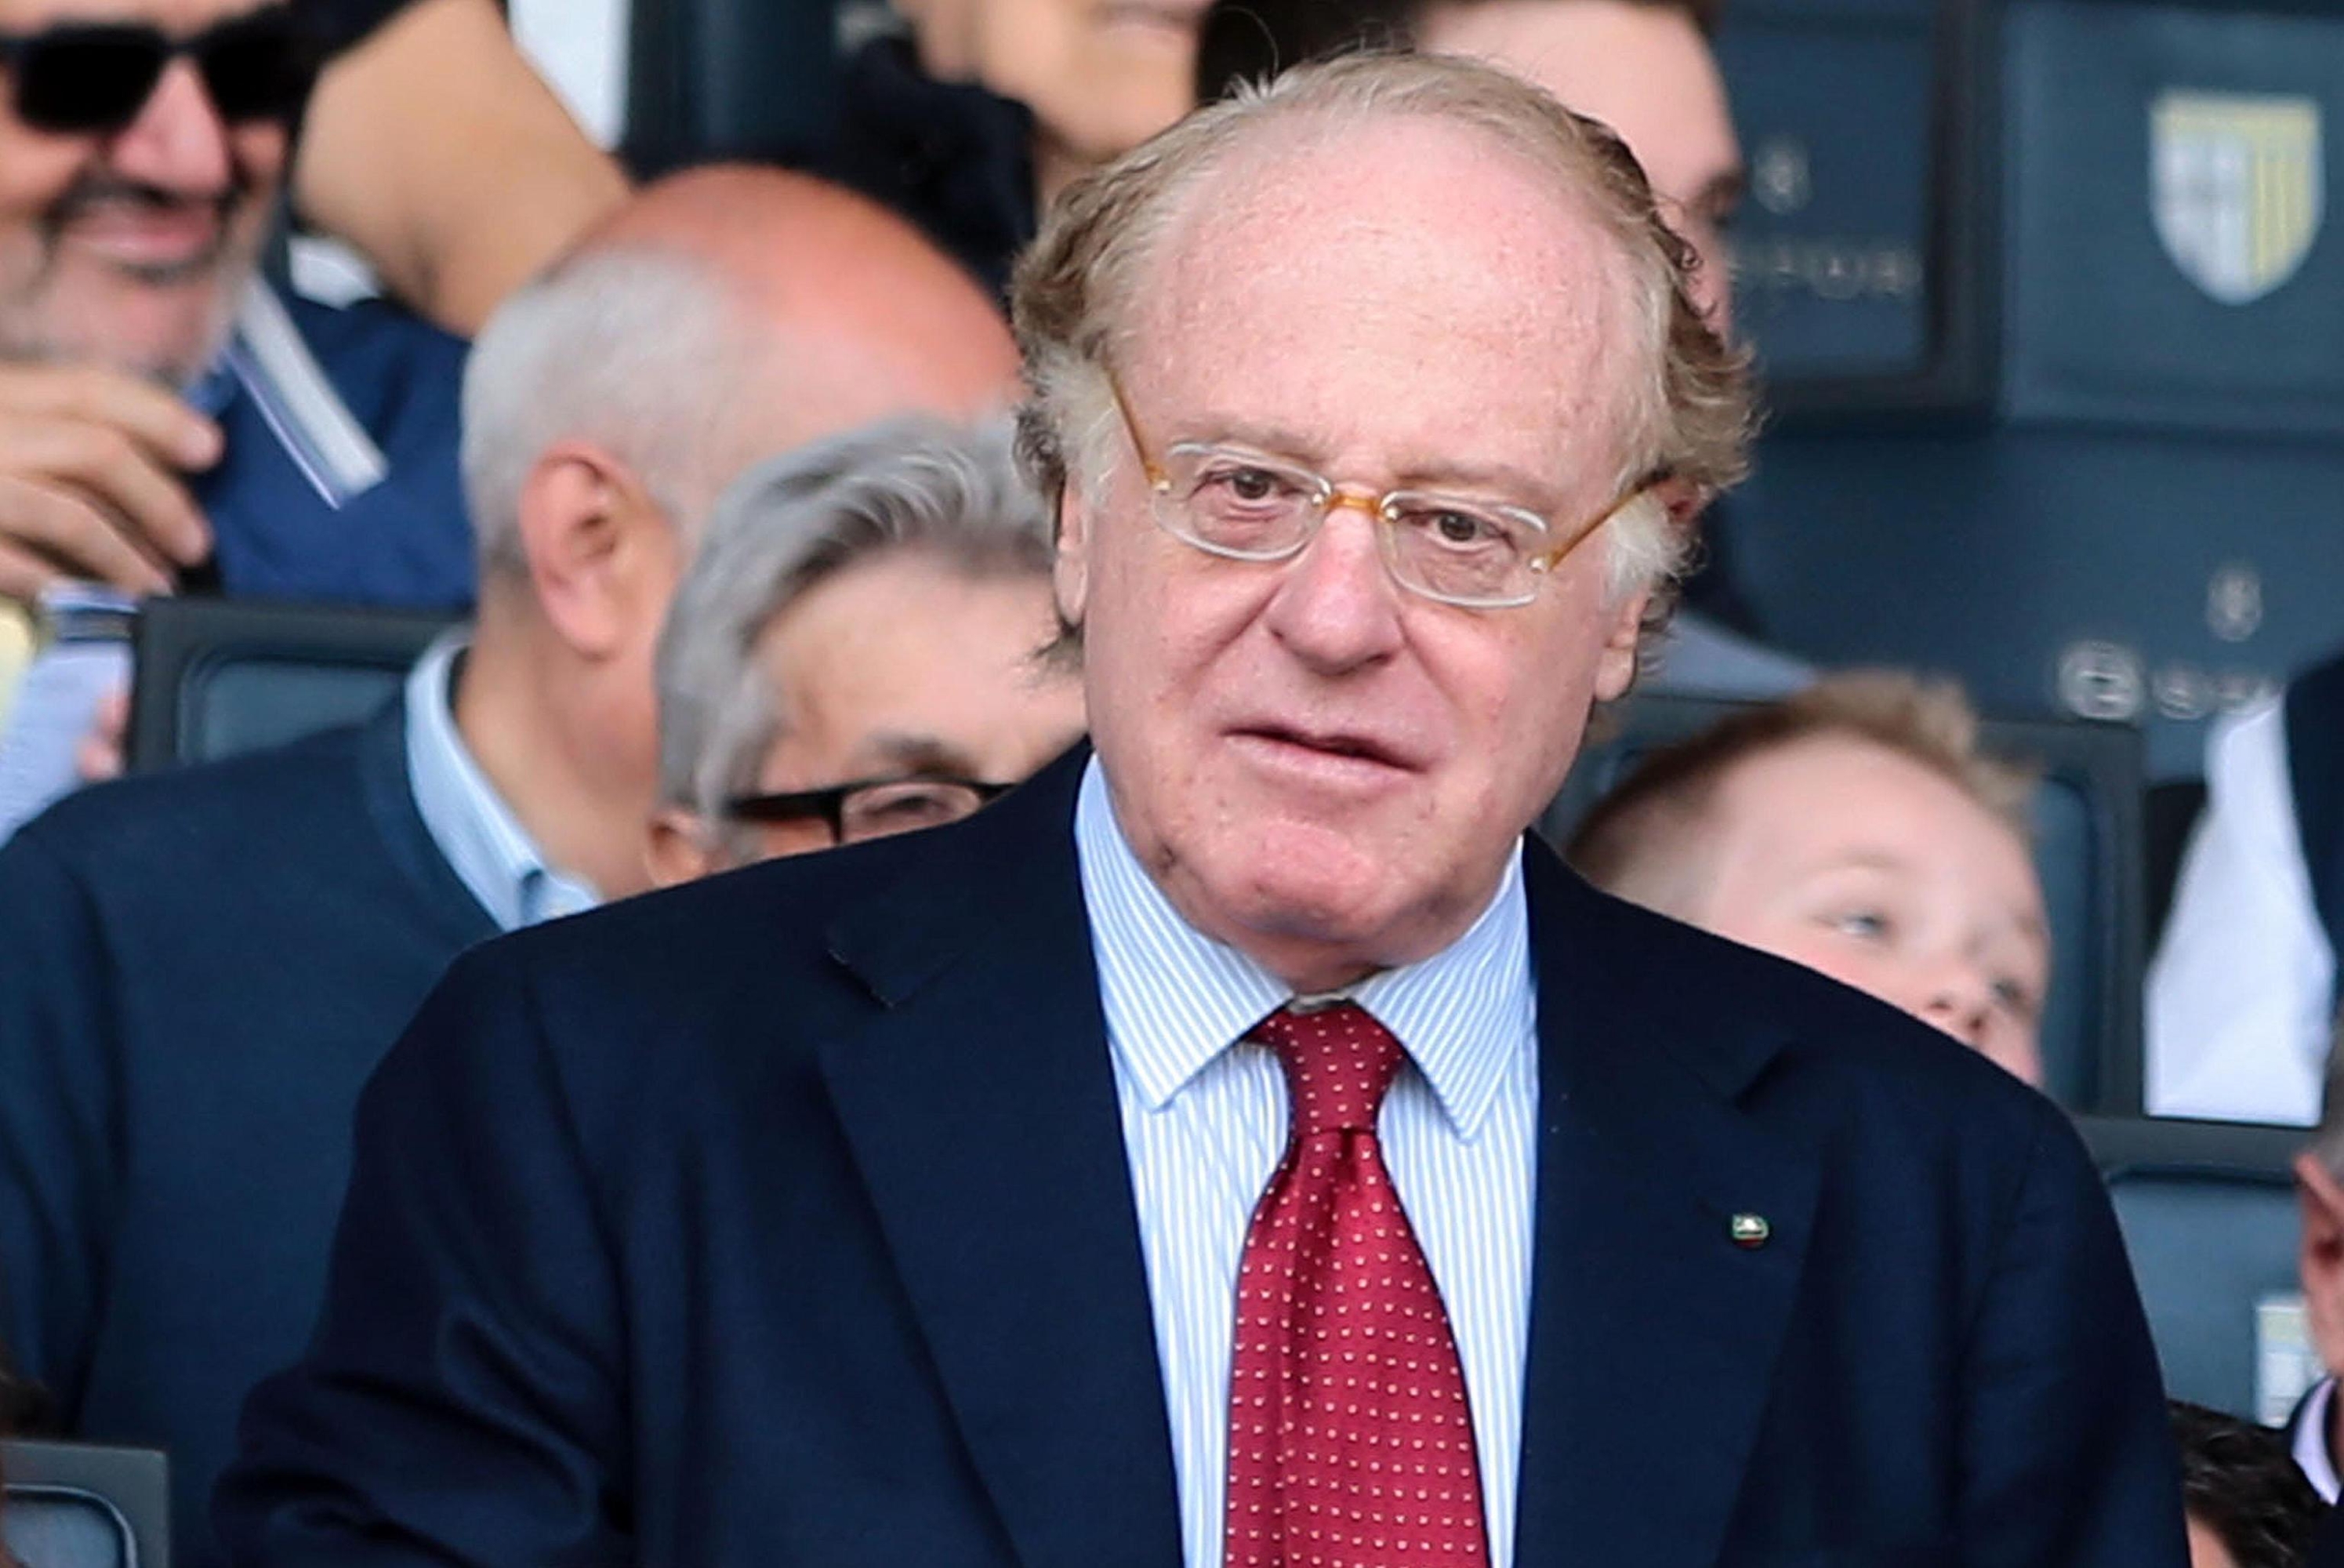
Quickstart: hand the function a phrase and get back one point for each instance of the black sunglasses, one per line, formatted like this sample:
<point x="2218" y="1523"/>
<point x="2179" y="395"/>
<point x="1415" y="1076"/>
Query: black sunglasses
<point x="84" y="79"/>
<point x="871" y="808"/>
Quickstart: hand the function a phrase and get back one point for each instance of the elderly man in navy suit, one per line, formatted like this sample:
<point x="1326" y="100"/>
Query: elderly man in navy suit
<point x="1243" y="1145"/>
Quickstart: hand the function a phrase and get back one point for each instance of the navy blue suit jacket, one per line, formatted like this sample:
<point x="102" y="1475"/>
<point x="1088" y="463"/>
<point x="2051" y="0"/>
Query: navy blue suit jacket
<point x="199" y="970"/>
<point x="785" y="1219"/>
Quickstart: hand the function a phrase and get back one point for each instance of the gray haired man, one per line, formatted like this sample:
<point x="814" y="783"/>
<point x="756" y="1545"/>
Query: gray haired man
<point x="856" y="650"/>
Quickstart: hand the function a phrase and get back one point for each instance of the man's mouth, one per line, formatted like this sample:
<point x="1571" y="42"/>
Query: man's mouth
<point x="150" y="239"/>
<point x="1337" y="748"/>
<point x="155" y="235"/>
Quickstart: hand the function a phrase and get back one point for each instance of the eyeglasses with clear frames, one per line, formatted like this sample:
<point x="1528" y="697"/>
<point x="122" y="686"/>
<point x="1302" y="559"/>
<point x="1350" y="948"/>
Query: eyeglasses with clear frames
<point x="1245" y="505"/>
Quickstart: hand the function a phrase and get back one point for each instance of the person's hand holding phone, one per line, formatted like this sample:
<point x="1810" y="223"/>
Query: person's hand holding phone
<point x="93" y="481"/>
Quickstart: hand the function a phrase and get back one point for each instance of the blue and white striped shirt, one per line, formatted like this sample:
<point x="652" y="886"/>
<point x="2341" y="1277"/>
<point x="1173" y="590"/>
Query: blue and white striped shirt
<point x="1205" y="1123"/>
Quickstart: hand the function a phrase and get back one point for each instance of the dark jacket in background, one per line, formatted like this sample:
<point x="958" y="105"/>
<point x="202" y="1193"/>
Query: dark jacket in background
<point x="951" y="157"/>
<point x="198" y="972"/>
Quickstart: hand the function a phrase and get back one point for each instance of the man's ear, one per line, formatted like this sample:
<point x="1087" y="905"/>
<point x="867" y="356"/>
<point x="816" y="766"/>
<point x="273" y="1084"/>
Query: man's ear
<point x="599" y="551"/>
<point x="1623" y="636"/>
<point x="2320" y="1256"/>
<point x="1623" y="633"/>
<point x="1070" y="570"/>
<point x="676" y="851"/>
<point x="1685" y="502"/>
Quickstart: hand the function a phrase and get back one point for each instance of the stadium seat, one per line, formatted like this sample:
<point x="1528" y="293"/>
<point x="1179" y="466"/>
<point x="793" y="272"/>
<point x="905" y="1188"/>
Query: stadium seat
<point x="71" y="1505"/>
<point x="2089" y="836"/>
<point x="216" y="677"/>
<point x="2209" y="1214"/>
<point x="1862" y="261"/>
<point x="2129" y="522"/>
<point x="727" y="78"/>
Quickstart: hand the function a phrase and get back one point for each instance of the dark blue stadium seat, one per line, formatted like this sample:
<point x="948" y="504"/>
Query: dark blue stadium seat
<point x="215" y="677"/>
<point x="2157" y="579"/>
<point x="2087" y="852"/>
<point x="2208" y="1213"/>
<point x="1862" y="253"/>
<point x="2137" y="519"/>
<point x="71" y="1505"/>
<point x="2167" y="200"/>
<point x="727" y="78"/>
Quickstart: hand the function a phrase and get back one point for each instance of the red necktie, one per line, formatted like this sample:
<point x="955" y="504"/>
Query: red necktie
<point x="1351" y="1444"/>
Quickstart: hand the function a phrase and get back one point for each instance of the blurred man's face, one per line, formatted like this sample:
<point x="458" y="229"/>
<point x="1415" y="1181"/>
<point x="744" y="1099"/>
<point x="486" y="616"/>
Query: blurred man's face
<point x="1100" y="76"/>
<point x="129" y="247"/>
<point x="1643" y="70"/>
<point x="1318" y="766"/>
<point x="903" y="668"/>
<point x="1843" y="856"/>
<point x="2320" y="1198"/>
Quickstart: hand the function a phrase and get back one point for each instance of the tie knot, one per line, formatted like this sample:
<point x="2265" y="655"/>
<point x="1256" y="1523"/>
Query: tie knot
<point x="1338" y="1062"/>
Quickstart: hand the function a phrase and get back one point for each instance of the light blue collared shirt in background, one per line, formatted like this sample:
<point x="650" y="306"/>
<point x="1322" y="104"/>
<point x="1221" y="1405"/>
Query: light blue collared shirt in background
<point x="1204" y="1124"/>
<point x="474" y="829"/>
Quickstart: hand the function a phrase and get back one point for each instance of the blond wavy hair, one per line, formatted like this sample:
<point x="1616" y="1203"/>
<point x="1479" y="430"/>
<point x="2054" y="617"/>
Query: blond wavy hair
<point x="1649" y="831"/>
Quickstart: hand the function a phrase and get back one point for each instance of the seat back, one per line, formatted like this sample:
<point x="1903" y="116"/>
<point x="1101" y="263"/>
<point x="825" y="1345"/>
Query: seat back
<point x="2126" y="538"/>
<point x="728" y="78"/>
<point x="1863" y="267"/>
<point x="216" y="677"/>
<point x="74" y="1505"/>
<point x="2210" y="1221"/>
<point x="2087" y="855"/>
<point x="2164" y="164"/>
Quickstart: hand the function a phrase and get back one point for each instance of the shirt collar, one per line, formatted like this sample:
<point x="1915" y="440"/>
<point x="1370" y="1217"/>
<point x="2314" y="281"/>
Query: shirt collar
<point x="474" y="829"/>
<point x="1175" y="999"/>
<point x="2311" y="1451"/>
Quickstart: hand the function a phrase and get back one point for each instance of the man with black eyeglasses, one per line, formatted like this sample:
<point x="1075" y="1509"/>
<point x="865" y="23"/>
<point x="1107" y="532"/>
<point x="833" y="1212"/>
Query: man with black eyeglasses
<point x="859" y="650"/>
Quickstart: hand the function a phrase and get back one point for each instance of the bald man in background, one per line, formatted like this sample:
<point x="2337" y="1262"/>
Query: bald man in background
<point x="199" y="970"/>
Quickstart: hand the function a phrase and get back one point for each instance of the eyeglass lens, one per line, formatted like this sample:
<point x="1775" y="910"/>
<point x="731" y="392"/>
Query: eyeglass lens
<point x="1235" y="503"/>
<point x="881" y="811"/>
<point x="81" y="79"/>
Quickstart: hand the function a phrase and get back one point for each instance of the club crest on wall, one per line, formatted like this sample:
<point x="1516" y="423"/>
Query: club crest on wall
<point x="2238" y="186"/>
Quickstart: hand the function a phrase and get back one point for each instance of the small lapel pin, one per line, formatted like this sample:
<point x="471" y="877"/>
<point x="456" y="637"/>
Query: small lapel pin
<point x="1749" y="1231"/>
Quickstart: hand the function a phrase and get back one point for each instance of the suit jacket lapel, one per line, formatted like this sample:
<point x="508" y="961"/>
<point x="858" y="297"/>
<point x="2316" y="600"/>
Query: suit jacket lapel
<point x="981" y="1108"/>
<point x="1653" y="1332"/>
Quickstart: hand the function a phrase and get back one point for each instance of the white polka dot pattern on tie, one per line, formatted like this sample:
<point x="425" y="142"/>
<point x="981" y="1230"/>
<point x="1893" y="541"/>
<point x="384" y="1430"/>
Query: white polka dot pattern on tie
<point x="1350" y="1443"/>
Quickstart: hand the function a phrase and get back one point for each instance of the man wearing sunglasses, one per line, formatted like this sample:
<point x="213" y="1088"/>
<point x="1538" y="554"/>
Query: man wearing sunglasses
<point x="166" y="419"/>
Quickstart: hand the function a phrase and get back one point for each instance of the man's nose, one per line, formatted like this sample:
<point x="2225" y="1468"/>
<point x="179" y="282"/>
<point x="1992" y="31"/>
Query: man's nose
<point x="1336" y="607"/>
<point x="178" y="142"/>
